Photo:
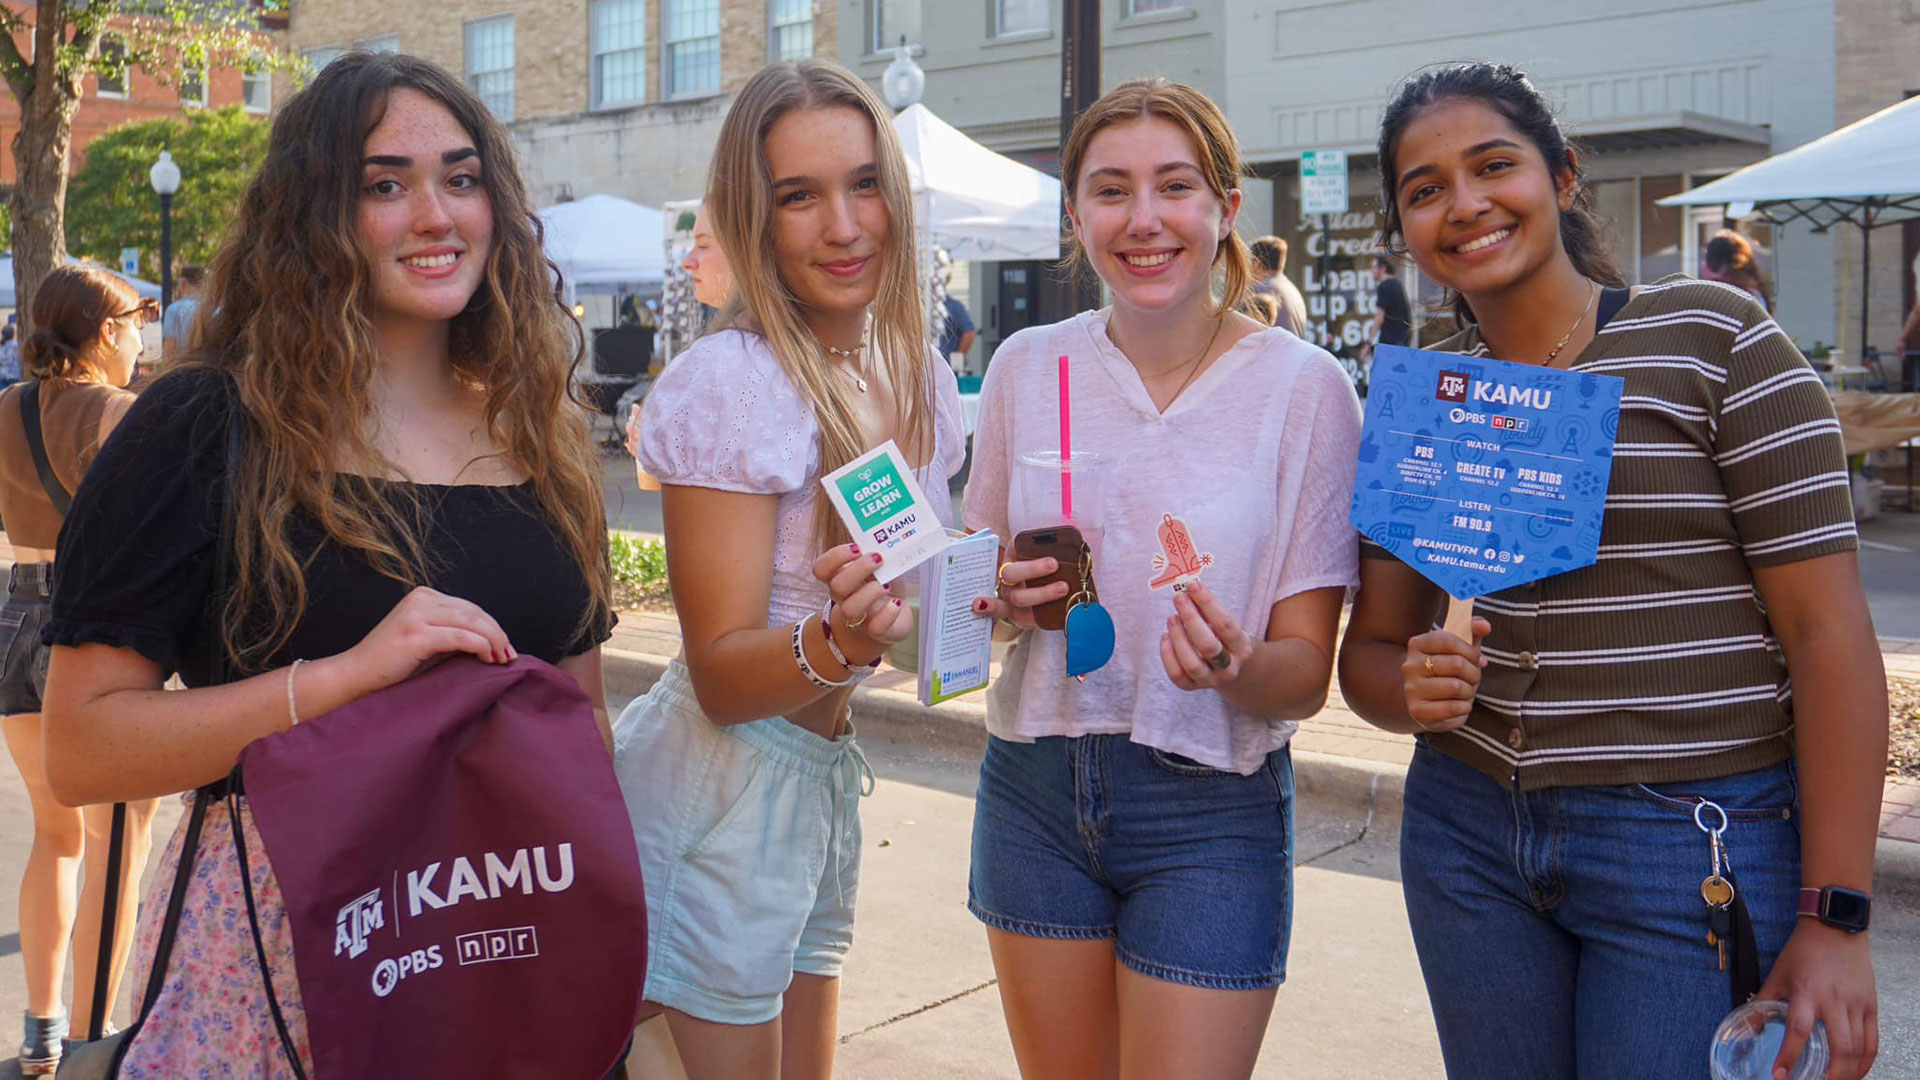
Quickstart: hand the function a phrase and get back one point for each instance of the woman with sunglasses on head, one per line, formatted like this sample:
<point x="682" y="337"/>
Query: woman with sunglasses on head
<point x="1715" y="668"/>
<point x="381" y="330"/>
<point x="739" y="766"/>
<point x="81" y="355"/>
<point x="1133" y="842"/>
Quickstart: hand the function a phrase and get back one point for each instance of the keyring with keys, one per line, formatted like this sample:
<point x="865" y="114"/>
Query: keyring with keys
<point x="1717" y="888"/>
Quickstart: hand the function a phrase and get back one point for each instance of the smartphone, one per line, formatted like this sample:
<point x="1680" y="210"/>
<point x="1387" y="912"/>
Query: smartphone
<point x="1064" y="544"/>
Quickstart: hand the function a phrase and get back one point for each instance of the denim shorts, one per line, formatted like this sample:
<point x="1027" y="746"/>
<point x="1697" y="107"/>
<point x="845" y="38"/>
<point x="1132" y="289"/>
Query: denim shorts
<point x="1188" y="869"/>
<point x="749" y="839"/>
<point x="23" y="659"/>
<point x="1561" y="931"/>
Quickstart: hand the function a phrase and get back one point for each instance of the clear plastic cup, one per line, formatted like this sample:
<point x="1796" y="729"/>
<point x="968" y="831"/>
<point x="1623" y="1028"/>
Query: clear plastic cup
<point x="1034" y="501"/>
<point x="1749" y="1039"/>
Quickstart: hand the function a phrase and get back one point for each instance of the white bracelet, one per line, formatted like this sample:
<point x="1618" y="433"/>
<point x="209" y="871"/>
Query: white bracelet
<point x="806" y="667"/>
<point x="858" y="671"/>
<point x="293" y="710"/>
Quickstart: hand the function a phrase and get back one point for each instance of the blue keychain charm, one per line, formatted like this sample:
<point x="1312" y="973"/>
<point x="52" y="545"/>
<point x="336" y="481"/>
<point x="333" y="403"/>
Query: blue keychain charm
<point x="1089" y="637"/>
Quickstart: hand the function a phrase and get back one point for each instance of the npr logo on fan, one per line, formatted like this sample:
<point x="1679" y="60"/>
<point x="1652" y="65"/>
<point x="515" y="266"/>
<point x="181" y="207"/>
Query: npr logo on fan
<point x="1453" y="386"/>
<point x="355" y="922"/>
<point x="1508" y="423"/>
<point x="480" y="947"/>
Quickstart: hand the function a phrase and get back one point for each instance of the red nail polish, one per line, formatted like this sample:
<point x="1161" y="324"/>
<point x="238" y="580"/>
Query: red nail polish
<point x="979" y="605"/>
<point x="897" y="601"/>
<point x="876" y="556"/>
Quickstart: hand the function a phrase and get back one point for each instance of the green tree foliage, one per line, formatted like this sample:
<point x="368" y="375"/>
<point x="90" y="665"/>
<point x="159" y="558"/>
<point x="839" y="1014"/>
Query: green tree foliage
<point x="111" y="204"/>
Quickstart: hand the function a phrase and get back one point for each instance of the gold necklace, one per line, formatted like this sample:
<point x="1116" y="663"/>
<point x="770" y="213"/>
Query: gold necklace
<point x="1582" y="317"/>
<point x="1193" y="365"/>
<point x="854" y="354"/>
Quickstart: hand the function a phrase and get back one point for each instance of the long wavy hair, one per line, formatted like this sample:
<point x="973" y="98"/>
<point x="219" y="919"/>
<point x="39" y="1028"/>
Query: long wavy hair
<point x="288" y="314"/>
<point x="740" y="202"/>
<point x="68" y="308"/>
<point x="1506" y="90"/>
<point x="1213" y="140"/>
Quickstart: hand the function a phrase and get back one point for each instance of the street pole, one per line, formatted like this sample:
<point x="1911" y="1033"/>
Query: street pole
<point x="166" y="251"/>
<point x="1079" y="88"/>
<point x="1326" y="291"/>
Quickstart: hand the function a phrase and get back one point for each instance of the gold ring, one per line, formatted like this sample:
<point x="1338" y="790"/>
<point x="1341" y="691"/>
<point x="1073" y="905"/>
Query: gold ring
<point x="855" y="624"/>
<point x="1001" y="577"/>
<point x="1429" y="665"/>
<point x="1221" y="660"/>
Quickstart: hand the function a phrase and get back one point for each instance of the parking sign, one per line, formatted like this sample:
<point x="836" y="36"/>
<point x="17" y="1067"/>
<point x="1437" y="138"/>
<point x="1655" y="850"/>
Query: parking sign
<point x="1323" y="182"/>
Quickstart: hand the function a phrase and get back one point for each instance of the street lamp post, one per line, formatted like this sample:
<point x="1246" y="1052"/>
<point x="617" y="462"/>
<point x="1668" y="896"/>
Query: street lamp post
<point x="165" y="176"/>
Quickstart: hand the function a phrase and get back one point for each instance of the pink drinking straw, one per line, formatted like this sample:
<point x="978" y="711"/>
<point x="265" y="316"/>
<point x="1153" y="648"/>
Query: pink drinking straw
<point x="1066" y="447"/>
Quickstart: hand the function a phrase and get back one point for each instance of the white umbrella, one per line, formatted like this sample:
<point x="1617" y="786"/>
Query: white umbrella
<point x="1865" y="174"/>
<point x="602" y="242"/>
<point x="978" y="205"/>
<point x="147" y="289"/>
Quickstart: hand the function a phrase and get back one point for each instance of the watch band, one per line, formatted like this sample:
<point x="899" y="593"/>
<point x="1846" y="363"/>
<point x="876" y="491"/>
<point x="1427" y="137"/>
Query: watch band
<point x="1809" y="903"/>
<point x="1837" y="906"/>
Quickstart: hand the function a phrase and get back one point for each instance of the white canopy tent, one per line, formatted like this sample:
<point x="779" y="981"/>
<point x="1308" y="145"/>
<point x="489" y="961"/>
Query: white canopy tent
<point x="147" y="289"/>
<point x="978" y="205"/>
<point x="1865" y="174"/>
<point x="603" y="242"/>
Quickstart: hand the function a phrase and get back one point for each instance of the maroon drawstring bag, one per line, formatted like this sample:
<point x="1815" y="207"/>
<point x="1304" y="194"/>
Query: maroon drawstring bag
<point x="459" y="875"/>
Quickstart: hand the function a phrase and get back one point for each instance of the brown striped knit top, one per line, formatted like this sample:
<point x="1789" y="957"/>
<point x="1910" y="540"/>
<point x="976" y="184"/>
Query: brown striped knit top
<point x="1657" y="663"/>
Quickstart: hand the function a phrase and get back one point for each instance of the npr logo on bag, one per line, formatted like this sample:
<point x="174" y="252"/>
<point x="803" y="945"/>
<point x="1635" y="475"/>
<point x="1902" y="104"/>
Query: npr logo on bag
<point x="359" y="918"/>
<point x="516" y="943"/>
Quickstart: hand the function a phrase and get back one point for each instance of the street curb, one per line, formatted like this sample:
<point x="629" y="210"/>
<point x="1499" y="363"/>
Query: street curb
<point x="960" y="727"/>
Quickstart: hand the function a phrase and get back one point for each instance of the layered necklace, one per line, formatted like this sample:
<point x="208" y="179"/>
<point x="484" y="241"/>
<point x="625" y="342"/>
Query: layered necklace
<point x="1192" y="366"/>
<point x="856" y="354"/>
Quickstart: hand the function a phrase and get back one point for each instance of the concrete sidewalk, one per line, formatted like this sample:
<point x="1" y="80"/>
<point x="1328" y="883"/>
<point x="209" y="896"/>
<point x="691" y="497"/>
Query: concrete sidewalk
<point x="1334" y="753"/>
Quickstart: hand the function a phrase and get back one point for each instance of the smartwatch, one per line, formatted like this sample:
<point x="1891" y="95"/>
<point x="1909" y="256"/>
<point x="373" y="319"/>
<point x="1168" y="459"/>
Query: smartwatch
<point x="1837" y="906"/>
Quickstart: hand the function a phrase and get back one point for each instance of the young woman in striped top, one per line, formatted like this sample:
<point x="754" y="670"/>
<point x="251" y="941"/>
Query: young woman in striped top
<point x="1719" y="650"/>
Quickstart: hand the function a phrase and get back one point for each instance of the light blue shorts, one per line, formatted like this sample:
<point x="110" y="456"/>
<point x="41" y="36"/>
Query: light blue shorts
<point x="749" y="838"/>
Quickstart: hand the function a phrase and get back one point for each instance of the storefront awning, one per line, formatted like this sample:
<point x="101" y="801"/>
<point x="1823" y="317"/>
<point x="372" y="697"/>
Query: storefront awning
<point x="1666" y="130"/>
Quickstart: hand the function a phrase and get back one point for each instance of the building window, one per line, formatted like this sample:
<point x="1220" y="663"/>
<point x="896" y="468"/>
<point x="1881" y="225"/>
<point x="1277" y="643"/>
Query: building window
<point x="619" y="43"/>
<point x="1154" y="7"/>
<point x="1019" y="17"/>
<point x="490" y="63"/>
<point x="193" y="88"/>
<point x="113" y="59"/>
<point x="326" y="54"/>
<point x="256" y="85"/>
<point x="890" y="21"/>
<point x="693" y="47"/>
<point x="385" y="43"/>
<point x="790" y="35"/>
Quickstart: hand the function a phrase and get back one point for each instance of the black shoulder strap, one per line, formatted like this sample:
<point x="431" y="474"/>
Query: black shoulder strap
<point x="30" y="419"/>
<point x="1611" y="301"/>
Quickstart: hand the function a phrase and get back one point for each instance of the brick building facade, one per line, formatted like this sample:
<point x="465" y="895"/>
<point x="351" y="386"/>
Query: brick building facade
<point x="141" y="96"/>
<point x="618" y="97"/>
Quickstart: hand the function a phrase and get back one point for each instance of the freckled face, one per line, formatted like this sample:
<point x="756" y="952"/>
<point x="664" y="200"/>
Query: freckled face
<point x="1479" y="206"/>
<point x="424" y="217"/>
<point x="1142" y="210"/>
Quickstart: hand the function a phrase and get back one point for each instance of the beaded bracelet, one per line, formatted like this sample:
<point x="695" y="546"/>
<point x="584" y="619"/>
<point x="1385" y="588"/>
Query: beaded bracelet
<point x="806" y="667"/>
<point x="293" y="710"/>
<point x="859" y="671"/>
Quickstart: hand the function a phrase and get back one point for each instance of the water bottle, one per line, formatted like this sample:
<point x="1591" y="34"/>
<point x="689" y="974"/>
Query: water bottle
<point x="1749" y="1039"/>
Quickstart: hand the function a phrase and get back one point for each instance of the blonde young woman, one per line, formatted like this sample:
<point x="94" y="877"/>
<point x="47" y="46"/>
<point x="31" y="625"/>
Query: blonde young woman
<point x="1133" y="841"/>
<point x="739" y="766"/>
<point x="81" y="355"/>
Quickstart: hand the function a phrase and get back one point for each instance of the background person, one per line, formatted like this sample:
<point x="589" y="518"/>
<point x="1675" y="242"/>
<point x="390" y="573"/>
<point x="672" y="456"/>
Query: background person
<point x="1270" y="279"/>
<point x="1719" y="650"/>
<point x="739" y="766"/>
<point x="81" y="356"/>
<point x="1133" y="842"/>
<point x="178" y="324"/>
<point x="1729" y="257"/>
<point x="375" y="454"/>
<point x="9" y="357"/>
<point x="1392" y="311"/>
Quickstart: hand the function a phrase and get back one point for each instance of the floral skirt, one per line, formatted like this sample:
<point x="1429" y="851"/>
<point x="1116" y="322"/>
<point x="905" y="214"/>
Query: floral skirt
<point x="211" y="1018"/>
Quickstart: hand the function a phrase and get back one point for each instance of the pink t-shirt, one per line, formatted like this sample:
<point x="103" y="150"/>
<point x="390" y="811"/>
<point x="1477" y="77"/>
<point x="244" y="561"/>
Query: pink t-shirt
<point x="725" y="416"/>
<point x="1256" y="458"/>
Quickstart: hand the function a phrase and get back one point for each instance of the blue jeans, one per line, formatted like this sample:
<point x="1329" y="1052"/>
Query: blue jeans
<point x="1188" y="869"/>
<point x="1561" y="932"/>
